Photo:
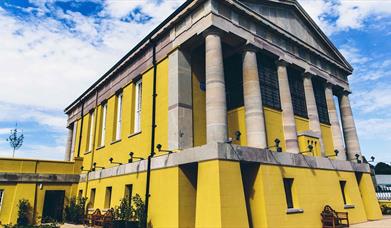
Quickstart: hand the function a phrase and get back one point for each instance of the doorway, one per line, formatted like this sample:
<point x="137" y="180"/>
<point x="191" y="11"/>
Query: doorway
<point x="53" y="205"/>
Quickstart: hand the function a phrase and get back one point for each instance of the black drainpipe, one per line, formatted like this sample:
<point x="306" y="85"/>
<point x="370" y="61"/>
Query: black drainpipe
<point x="147" y="195"/>
<point x="35" y="194"/>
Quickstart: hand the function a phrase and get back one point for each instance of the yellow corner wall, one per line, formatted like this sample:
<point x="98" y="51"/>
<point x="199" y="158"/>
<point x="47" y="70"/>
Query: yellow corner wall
<point x="311" y="193"/>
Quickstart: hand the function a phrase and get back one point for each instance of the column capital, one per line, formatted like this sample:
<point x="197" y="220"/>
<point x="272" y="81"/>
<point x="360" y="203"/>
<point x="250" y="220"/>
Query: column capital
<point x="308" y="75"/>
<point x="250" y="48"/>
<point x="212" y="31"/>
<point x="282" y="62"/>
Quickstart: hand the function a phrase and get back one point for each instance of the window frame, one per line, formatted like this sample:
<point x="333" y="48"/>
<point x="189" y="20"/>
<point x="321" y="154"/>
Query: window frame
<point x="138" y="85"/>
<point x="103" y="124"/>
<point x="2" y="191"/>
<point x="91" y="130"/>
<point x="118" y="120"/>
<point x="73" y="143"/>
<point x="296" y="87"/>
<point x="342" y="184"/>
<point x="288" y="189"/>
<point x="320" y="100"/>
<point x="268" y="80"/>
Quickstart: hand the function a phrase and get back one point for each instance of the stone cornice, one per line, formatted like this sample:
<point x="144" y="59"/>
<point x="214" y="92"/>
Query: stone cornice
<point x="223" y="151"/>
<point x="38" y="178"/>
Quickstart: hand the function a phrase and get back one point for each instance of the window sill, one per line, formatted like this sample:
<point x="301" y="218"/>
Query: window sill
<point x="294" y="211"/>
<point x="101" y="147"/>
<point x="87" y="152"/>
<point x="116" y="141"/>
<point x="348" y="206"/>
<point x="134" y="134"/>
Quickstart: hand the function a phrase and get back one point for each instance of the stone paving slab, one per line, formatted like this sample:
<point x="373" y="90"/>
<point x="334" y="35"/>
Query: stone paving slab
<point x="385" y="222"/>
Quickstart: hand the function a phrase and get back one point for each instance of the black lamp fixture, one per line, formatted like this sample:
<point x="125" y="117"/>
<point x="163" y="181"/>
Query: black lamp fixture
<point x="84" y="170"/>
<point x="131" y="155"/>
<point x="237" y="135"/>
<point x="336" y="152"/>
<point x="310" y="149"/>
<point x="159" y="148"/>
<point x="276" y="145"/>
<point x="111" y="160"/>
<point x="372" y="159"/>
<point x="94" y="167"/>
<point x="357" y="158"/>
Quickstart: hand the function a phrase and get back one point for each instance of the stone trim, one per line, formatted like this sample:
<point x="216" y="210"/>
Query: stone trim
<point x="37" y="177"/>
<point x="225" y="151"/>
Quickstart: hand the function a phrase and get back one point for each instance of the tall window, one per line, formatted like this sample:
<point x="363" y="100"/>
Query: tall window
<point x="321" y="103"/>
<point x="1" y="197"/>
<point x="108" y="197"/>
<point x="128" y="191"/>
<point x="103" y="124"/>
<point x="342" y="184"/>
<point x="234" y="81"/>
<point x="92" y="198"/>
<point x="91" y="131"/>
<point x="118" y="117"/>
<point x="288" y="182"/>
<point x="137" y="108"/>
<point x="296" y="87"/>
<point x="268" y="80"/>
<point x="73" y="139"/>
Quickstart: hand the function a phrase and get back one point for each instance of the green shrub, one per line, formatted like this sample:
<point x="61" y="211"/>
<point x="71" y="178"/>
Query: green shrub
<point x="75" y="210"/>
<point x="24" y="213"/>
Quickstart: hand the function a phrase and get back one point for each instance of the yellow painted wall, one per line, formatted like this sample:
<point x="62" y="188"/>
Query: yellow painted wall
<point x="130" y="142"/>
<point x="274" y="128"/>
<point x="327" y="137"/>
<point x="237" y="122"/>
<point x="199" y="111"/>
<point x="369" y="198"/>
<point x="311" y="193"/>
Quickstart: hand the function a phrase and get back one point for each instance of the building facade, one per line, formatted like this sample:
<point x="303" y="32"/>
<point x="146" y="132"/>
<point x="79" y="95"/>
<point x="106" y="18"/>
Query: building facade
<point x="246" y="100"/>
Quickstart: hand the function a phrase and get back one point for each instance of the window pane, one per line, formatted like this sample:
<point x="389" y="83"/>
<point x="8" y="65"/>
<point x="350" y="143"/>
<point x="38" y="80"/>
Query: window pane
<point x="138" y="102"/>
<point x="268" y="80"/>
<point x="91" y="133"/>
<point x="103" y="125"/>
<point x="296" y="87"/>
<point x="320" y="98"/>
<point x="119" y="117"/>
<point x="234" y="81"/>
<point x="288" y="192"/>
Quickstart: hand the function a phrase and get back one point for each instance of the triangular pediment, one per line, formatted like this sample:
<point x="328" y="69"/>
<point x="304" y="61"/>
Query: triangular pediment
<point x="291" y="17"/>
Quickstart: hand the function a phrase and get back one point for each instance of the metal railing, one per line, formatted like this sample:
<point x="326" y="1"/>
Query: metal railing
<point x="383" y="193"/>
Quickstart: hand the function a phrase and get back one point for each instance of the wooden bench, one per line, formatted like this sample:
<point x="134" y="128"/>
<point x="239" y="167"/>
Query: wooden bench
<point x="105" y="220"/>
<point x="333" y="219"/>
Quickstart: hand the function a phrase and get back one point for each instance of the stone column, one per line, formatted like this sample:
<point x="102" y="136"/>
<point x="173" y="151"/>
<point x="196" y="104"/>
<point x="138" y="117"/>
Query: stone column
<point x="255" y="122"/>
<point x="68" y="147"/>
<point x="349" y="127"/>
<point x="180" y="116"/>
<point x="288" y="118"/>
<point x="335" y="127"/>
<point x="312" y="109"/>
<point x="216" y="107"/>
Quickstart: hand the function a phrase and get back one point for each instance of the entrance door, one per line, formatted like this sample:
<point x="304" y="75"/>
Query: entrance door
<point x="53" y="206"/>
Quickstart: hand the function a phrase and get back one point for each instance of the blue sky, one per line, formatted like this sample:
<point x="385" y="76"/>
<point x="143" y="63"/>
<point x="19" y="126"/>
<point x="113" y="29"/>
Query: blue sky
<point x="52" y="50"/>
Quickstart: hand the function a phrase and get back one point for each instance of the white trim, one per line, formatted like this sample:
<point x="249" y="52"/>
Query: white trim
<point x="119" y="117"/>
<point x="91" y="135"/>
<point x="103" y="126"/>
<point x="137" y="107"/>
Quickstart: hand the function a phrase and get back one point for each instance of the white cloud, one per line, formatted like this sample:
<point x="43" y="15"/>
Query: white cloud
<point x="35" y="151"/>
<point x="374" y="128"/>
<point x="339" y="15"/>
<point x="376" y="100"/>
<point x="4" y="131"/>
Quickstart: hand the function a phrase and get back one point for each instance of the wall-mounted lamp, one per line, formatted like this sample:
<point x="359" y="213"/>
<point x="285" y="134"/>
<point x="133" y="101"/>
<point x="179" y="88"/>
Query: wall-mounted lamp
<point x="159" y="148"/>
<point x="276" y="145"/>
<point x="336" y="152"/>
<point x="357" y="158"/>
<point x="84" y="170"/>
<point x="94" y="167"/>
<point x="131" y="155"/>
<point x="237" y="135"/>
<point x="310" y="149"/>
<point x="111" y="160"/>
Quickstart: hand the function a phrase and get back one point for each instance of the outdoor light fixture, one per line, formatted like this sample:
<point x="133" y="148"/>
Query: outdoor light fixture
<point x="336" y="152"/>
<point x="237" y="135"/>
<point x="131" y="154"/>
<point x="82" y="169"/>
<point x="159" y="148"/>
<point x="310" y="149"/>
<point x="276" y="145"/>
<point x="94" y="167"/>
<point x="113" y="162"/>
<point x="372" y="159"/>
<point x="357" y="158"/>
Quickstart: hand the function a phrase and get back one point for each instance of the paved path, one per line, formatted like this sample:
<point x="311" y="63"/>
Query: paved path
<point x="385" y="222"/>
